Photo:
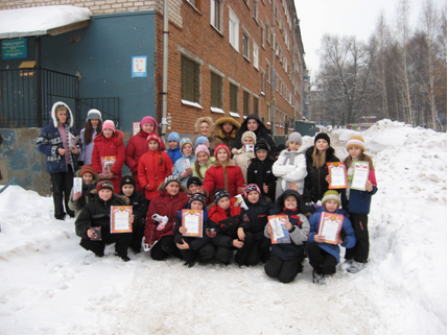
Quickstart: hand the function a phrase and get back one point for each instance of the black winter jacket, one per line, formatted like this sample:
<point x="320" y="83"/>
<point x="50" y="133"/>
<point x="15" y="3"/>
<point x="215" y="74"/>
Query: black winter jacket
<point x="258" y="215"/>
<point x="195" y="243"/>
<point x="260" y="172"/>
<point x="225" y="223"/>
<point x="97" y="213"/>
<point x="315" y="184"/>
<point x="261" y="132"/>
<point x="139" y="206"/>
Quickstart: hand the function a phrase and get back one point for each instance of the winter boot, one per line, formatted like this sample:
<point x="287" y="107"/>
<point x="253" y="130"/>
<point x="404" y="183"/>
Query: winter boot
<point x="356" y="267"/>
<point x="319" y="279"/>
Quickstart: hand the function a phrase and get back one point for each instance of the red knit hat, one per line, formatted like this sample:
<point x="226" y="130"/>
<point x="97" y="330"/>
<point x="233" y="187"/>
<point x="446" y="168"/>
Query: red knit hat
<point x="154" y="137"/>
<point x="149" y="120"/>
<point x="221" y="146"/>
<point x="87" y="169"/>
<point x="104" y="184"/>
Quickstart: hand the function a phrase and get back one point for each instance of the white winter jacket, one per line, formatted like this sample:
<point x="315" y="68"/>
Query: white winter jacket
<point x="290" y="167"/>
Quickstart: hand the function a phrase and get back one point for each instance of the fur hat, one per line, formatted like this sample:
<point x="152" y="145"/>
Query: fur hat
<point x="185" y="141"/>
<point x="294" y="136"/>
<point x="356" y="141"/>
<point x="148" y="120"/>
<point x="209" y="121"/>
<point x="201" y="148"/>
<point x="87" y="169"/>
<point x="221" y="146"/>
<point x="194" y="180"/>
<point x="202" y="140"/>
<point x="262" y="144"/>
<point x="220" y="193"/>
<point x="323" y="136"/>
<point x="104" y="184"/>
<point x="249" y="134"/>
<point x="93" y="114"/>
<point x="127" y="180"/>
<point x="171" y="178"/>
<point x="198" y="197"/>
<point x="174" y="136"/>
<point x="331" y="195"/>
<point x="108" y="124"/>
<point x="252" y="187"/>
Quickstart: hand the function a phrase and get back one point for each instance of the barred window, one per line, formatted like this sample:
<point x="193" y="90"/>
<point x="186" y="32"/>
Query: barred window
<point x="216" y="90"/>
<point x="190" y="80"/>
<point x="233" y="98"/>
<point x="246" y="98"/>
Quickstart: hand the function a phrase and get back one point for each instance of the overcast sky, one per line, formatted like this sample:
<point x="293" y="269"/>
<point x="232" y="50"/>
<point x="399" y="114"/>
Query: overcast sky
<point x="345" y="18"/>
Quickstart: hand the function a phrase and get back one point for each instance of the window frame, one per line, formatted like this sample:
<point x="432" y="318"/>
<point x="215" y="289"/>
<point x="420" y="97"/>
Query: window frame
<point x="216" y="13"/>
<point x="234" y="22"/>
<point x="219" y="90"/>
<point x="236" y="90"/>
<point x="195" y="96"/>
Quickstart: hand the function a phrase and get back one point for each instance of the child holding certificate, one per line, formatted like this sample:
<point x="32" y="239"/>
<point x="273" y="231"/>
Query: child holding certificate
<point x="94" y="223"/>
<point x="324" y="256"/>
<point x="356" y="200"/>
<point x="286" y="259"/>
<point x="230" y="229"/>
<point x="79" y="198"/>
<point x="183" y="166"/>
<point x="244" y="156"/>
<point x="161" y="216"/>
<point x="258" y="213"/>
<point x="192" y="234"/>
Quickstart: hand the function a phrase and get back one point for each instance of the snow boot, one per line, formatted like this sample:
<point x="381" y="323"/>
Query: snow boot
<point x="319" y="279"/>
<point x="356" y="267"/>
<point x="189" y="264"/>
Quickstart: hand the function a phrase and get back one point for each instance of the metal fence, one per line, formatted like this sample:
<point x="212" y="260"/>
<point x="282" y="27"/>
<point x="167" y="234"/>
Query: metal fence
<point x="27" y="95"/>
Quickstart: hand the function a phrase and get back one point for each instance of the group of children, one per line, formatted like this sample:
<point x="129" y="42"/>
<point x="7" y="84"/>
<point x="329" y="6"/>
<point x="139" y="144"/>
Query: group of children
<point x="192" y="175"/>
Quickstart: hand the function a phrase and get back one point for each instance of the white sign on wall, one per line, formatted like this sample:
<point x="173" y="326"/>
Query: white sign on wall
<point x="139" y="66"/>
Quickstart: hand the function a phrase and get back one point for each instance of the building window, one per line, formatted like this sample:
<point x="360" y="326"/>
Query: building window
<point x="215" y="14"/>
<point x="256" y="105"/>
<point x="246" y="97"/>
<point x="234" y="29"/>
<point x="246" y="48"/>
<point x="233" y="95"/>
<point x="190" y="80"/>
<point x="256" y="52"/>
<point x="268" y="72"/>
<point x="255" y="10"/>
<point x="268" y="32"/>
<point x="263" y="81"/>
<point x="263" y="33"/>
<point x="196" y="3"/>
<point x="216" y="90"/>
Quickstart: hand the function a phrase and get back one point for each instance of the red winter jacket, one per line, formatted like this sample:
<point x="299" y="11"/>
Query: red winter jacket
<point x="135" y="149"/>
<point x="163" y="205"/>
<point x="112" y="146"/>
<point x="151" y="174"/>
<point x="229" y="178"/>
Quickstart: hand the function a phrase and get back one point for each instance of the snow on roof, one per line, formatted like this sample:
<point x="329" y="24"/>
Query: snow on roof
<point x="35" y="21"/>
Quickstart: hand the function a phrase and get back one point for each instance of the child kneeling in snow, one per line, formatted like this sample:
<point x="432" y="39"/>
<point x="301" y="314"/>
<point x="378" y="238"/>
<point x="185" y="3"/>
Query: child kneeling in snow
<point x="171" y="199"/>
<point x="195" y="248"/>
<point x="286" y="259"/>
<point x="79" y="199"/>
<point x="323" y="256"/>
<point x="97" y="214"/>
<point x="232" y="228"/>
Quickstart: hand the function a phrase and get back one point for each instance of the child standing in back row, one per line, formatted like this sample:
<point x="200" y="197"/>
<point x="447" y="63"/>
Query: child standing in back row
<point x="357" y="203"/>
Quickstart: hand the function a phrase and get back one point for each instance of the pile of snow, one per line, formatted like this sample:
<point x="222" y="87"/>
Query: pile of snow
<point x="50" y="285"/>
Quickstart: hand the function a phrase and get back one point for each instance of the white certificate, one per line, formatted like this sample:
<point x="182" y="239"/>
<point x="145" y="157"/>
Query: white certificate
<point x="121" y="221"/>
<point x="277" y="228"/>
<point x="360" y="175"/>
<point x="192" y="224"/>
<point x="337" y="176"/>
<point x="250" y="151"/>
<point x="77" y="184"/>
<point x="186" y="164"/>
<point x="330" y="229"/>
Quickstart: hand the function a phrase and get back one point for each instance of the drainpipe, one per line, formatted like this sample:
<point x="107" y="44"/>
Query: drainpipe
<point x="165" y="68"/>
<point x="273" y="105"/>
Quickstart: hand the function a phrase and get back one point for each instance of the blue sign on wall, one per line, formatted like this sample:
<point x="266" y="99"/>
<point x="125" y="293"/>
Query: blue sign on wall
<point x="14" y="48"/>
<point x="139" y="66"/>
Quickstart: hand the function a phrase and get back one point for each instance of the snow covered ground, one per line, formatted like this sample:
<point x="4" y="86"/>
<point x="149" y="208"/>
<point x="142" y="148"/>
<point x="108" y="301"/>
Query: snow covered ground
<point x="50" y="285"/>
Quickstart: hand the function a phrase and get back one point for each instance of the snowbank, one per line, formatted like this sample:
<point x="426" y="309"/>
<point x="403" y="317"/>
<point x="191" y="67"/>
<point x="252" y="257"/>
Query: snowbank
<point x="50" y="285"/>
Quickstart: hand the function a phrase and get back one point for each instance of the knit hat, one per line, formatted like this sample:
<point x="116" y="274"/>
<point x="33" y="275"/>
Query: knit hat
<point x="221" y="146"/>
<point x="262" y="144"/>
<point x="148" y="120"/>
<point x="87" y="169"/>
<point x="252" y="187"/>
<point x="294" y="136"/>
<point x="323" y="136"/>
<point x="202" y="140"/>
<point x="194" y="180"/>
<point x="356" y="141"/>
<point x="201" y="148"/>
<point x="154" y="137"/>
<point x="104" y="184"/>
<point x="185" y="141"/>
<point x="108" y="124"/>
<point x="331" y="195"/>
<point x="220" y="193"/>
<point x="173" y="136"/>
<point x="198" y="197"/>
<point x="127" y="180"/>
<point x="93" y="114"/>
<point x="249" y="134"/>
<point x="171" y="178"/>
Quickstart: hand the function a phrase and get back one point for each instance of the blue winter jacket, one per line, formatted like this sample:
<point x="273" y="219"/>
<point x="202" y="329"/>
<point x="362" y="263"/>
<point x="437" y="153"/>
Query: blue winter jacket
<point x="50" y="140"/>
<point x="174" y="154"/>
<point x="179" y="168"/>
<point x="359" y="201"/>
<point x="349" y="240"/>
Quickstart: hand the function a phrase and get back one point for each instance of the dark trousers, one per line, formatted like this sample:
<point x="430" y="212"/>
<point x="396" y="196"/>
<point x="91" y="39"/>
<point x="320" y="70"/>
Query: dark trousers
<point x="62" y="184"/>
<point x="138" y="231"/>
<point x="321" y="261"/>
<point x="360" y="252"/>
<point x="164" y="248"/>
<point x="121" y="240"/>
<point x="205" y="253"/>
<point x="224" y="254"/>
<point x="285" y="270"/>
<point x="260" y="251"/>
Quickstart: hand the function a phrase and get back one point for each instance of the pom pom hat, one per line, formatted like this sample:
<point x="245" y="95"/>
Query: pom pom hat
<point x="356" y="141"/>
